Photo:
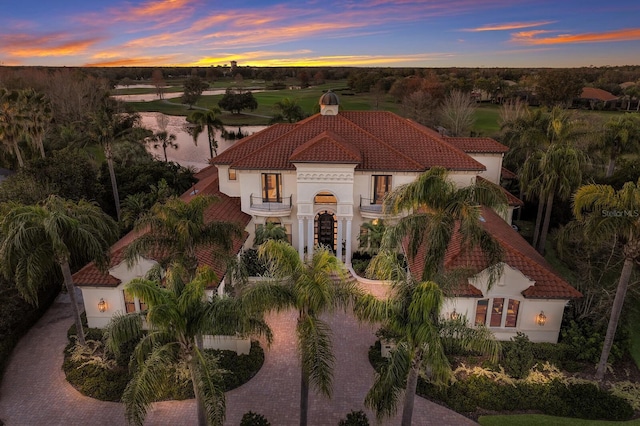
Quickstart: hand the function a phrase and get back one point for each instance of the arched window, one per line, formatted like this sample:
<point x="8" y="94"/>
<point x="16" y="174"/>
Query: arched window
<point x="325" y="198"/>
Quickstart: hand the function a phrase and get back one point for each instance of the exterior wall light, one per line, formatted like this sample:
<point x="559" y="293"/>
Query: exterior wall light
<point x="102" y="305"/>
<point x="541" y="319"/>
<point x="454" y="315"/>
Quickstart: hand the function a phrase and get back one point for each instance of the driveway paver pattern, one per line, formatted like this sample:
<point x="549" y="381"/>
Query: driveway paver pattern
<point x="34" y="390"/>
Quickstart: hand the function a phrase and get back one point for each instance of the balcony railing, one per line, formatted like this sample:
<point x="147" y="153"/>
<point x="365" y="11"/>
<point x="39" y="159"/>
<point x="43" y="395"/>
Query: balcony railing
<point x="368" y="205"/>
<point x="280" y="205"/>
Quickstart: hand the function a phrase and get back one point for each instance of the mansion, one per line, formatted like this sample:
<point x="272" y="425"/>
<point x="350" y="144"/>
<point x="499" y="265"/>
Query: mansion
<point x="323" y="178"/>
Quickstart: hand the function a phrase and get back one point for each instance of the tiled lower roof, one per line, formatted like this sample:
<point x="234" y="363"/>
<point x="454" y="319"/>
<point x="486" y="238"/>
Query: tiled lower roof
<point x="511" y="199"/>
<point x="518" y="254"/>
<point x="477" y="145"/>
<point x="227" y="209"/>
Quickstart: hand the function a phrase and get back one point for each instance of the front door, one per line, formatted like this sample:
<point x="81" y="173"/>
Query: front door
<point x="326" y="225"/>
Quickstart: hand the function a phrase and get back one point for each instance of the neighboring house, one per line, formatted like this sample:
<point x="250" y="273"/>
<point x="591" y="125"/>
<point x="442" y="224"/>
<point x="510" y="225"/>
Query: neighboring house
<point x="324" y="177"/>
<point x="595" y="96"/>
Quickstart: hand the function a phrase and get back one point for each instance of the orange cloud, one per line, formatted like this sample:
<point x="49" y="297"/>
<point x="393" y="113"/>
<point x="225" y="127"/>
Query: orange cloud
<point x="529" y="37"/>
<point x="24" y="45"/>
<point x="355" y="60"/>
<point x="135" y="62"/>
<point x="509" y="26"/>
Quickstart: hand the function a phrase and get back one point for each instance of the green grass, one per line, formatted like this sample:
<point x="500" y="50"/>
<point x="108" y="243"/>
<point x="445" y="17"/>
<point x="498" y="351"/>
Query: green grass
<point x="486" y="120"/>
<point x="542" y="420"/>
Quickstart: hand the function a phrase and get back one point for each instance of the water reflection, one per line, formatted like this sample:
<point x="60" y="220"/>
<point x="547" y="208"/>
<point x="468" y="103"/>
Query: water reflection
<point x="189" y="154"/>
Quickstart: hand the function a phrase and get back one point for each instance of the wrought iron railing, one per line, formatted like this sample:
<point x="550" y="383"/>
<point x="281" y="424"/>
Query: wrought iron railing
<point x="280" y="204"/>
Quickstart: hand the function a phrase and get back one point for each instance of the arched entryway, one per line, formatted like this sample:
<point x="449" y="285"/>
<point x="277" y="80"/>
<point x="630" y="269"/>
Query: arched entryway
<point x="326" y="230"/>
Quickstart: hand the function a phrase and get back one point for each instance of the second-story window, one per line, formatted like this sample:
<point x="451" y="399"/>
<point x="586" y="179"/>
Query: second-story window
<point x="232" y="174"/>
<point x="381" y="187"/>
<point x="271" y="188"/>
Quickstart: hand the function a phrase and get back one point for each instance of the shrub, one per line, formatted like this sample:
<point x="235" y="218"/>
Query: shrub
<point x="517" y="356"/>
<point x="254" y="265"/>
<point x="355" y="418"/>
<point x="558" y="396"/>
<point x="254" y="419"/>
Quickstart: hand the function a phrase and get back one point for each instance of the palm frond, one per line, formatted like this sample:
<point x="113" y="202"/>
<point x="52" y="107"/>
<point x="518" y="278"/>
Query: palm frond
<point x="317" y="359"/>
<point x="389" y="384"/>
<point x="123" y="328"/>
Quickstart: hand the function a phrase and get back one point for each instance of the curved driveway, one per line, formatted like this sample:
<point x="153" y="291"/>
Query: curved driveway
<point x="34" y="390"/>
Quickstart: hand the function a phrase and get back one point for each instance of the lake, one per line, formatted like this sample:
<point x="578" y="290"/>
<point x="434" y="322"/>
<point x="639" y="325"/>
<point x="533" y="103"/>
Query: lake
<point x="188" y="153"/>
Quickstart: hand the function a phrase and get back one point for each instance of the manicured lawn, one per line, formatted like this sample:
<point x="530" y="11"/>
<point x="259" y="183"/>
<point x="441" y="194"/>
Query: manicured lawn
<point x="542" y="420"/>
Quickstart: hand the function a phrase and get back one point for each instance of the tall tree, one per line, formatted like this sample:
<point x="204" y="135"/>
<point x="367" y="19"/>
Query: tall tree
<point x="621" y="136"/>
<point x="179" y="314"/>
<point x="12" y="122"/>
<point x="35" y="239"/>
<point x="554" y="172"/>
<point x="440" y="210"/>
<point x="411" y="319"/>
<point x="158" y="82"/>
<point x="558" y="87"/>
<point x="37" y="111"/>
<point x="457" y="113"/>
<point x="192" y="90"/>
<point x="208" y="120"/>
<point x="110" y="126"/>
<point x="237" y="100"/>
<point x="175" y="230"/>
<point x="607" y="214"/>
<point x="312" y="289"/>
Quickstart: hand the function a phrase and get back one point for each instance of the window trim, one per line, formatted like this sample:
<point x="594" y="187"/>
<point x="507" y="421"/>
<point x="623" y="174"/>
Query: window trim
<point x="385" y="181"/>
<point x="505" y="304"/>
<point x="266" y="189"/>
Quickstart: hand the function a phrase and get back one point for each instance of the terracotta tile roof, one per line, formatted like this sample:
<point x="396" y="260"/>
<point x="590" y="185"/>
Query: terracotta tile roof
<point x="227" y="209"/>
<point x="385" y="141"/>
<point x="517" y="253"/>
<point x="477" y="145"/>
<point x="511" y="199"/>
<point x="507" y="174"/>
<point x="327" y="147"/>
<point x="598" y="94"/>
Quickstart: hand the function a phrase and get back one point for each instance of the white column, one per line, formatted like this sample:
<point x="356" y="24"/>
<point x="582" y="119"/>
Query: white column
<point x="348" y="245"/>
<point x="301" y="237"/>
<point x="310" y="241"/>
<point x="339" y="242"/>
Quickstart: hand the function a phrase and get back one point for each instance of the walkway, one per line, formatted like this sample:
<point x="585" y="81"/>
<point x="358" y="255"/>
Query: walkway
<point x="34" y="390"/>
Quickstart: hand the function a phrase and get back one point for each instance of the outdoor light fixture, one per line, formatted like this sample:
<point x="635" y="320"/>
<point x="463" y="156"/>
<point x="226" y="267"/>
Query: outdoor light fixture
<point x="541" y="319"/>
<point x="454" y="315"/>
<point x="102" y="305"/>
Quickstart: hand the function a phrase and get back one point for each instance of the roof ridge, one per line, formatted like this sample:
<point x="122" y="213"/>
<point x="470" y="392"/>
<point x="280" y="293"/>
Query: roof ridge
<point x="332" y="137"/>
<point x="374" y="137"/>
<point x="248" y="139"/>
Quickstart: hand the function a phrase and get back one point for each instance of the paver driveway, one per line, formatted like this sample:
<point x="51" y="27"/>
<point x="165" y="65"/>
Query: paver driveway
<point x="34" y="391"/>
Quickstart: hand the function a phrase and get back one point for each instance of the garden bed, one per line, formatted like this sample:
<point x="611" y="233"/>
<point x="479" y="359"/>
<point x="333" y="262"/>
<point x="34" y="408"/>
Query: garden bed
<point x="105" y="377"/>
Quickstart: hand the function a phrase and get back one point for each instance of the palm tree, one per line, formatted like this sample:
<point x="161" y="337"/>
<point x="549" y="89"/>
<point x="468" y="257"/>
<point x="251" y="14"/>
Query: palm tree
<point x="37" y="238"/>
<point x="269" y="231"/>
<point x="288" y="110"/>
<point x="206" y="120"/>
<point x="621" y="136"/>
<point x="411" y="318"/>
<point x="175" y="230"/>
<point x="439" y="209"/>
<point x="179" y="314"/>
<point x="165" y="140"/>
<point x="12" y="122"/>
<point x="37" y="111"/>
<point x="609" y="214"/>
<point x="111" y="126"/>
<point x="559" y="174"/>
<point x="312" y="289"/>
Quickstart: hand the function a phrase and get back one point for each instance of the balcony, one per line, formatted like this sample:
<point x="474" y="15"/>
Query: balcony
<point x="369" y="209"/>
<point x="268" y="208"/>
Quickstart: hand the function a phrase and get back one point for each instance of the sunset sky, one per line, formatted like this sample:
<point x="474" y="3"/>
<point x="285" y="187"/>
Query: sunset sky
<point x="427" y="33"/>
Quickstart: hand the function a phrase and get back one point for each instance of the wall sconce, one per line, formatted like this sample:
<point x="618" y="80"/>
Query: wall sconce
<point x="454" y="315"/>
<point x="541" y="319"/>
<point x="102" y="305"/>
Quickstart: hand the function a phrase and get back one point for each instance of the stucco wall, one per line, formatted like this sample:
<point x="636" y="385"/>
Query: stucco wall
<point x="493" y="163"/>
